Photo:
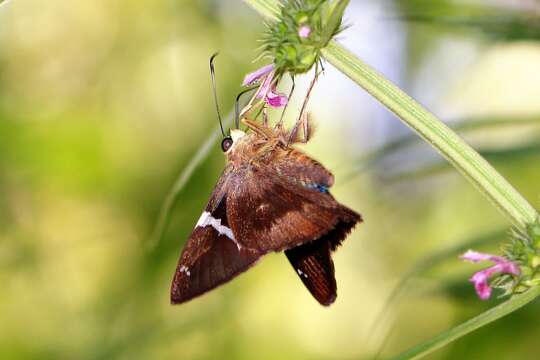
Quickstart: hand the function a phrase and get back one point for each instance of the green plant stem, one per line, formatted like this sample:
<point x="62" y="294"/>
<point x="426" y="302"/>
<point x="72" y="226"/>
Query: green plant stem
<point x="400" y="144"/>
<point x="469" y="326"/>
<point x="464" y="158"/>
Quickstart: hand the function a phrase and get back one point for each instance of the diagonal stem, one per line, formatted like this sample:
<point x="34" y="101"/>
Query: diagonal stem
<point x="463" y="157"/>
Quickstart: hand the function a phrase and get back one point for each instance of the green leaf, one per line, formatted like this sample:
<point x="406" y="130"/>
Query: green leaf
<point x="334" y="21"/>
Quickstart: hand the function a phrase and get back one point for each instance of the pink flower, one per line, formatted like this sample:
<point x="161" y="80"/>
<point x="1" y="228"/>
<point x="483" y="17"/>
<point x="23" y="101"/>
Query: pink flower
<point x="304" y="31"/>
<point x="480" y="279"/>
<point x="253" y="77"/>
<point x="268" y="86"/>
<point x="269" y="92"/>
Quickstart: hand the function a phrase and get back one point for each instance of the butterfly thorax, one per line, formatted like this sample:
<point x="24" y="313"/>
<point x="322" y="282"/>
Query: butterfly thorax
<point x="254" y="151"/>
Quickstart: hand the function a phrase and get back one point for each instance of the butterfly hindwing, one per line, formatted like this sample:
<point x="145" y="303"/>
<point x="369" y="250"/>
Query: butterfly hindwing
<point x="314" y="266"/>
<point x="313" y="261"/>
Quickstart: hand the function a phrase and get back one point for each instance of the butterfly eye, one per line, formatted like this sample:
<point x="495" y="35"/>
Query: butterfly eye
<point x="226" y="144"/>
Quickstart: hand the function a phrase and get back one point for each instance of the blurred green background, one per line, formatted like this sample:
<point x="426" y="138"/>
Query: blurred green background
<point x="103" y="103"/>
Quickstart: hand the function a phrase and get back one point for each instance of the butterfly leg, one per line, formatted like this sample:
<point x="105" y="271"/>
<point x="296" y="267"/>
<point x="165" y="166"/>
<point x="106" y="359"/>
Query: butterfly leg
<point x="304" y="105"/>
<point x="258" y="128"/>
<point x="265" y="116"/>
<point x="305" y="126"/>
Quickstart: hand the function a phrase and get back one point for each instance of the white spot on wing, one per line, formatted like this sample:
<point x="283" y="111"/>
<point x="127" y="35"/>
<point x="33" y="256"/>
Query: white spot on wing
<point x="207" y="219"/>
<point x="185" y="269"/>
<point x="301" y="273"/>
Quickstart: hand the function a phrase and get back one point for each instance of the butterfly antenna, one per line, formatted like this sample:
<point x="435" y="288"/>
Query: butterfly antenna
<point x="213" y="75"/>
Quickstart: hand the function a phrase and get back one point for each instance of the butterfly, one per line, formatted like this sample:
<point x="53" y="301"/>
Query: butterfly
<point x="271" y="197"/>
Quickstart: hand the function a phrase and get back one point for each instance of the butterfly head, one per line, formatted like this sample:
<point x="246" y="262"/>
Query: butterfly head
<point x="229" y="142"/>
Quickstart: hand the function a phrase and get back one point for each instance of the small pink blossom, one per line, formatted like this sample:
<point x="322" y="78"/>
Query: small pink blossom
<point x="269" y="92"/>
<point x="275" y="99"/>
<point x="480" y="279"/>
<point x="268" y="86"/>
<point x="258" y="74"/>
<point x="304" y="31"/>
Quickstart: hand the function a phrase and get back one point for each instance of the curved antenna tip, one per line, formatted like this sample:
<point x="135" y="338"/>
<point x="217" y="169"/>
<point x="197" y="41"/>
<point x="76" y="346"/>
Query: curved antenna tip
<point x="213" y="76"/>
<point x="213" y="57"/>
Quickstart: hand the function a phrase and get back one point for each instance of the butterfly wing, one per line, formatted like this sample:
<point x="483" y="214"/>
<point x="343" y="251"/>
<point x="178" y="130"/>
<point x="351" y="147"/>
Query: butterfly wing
<point x="313" y="263"/>
<point x="211" y="256"/>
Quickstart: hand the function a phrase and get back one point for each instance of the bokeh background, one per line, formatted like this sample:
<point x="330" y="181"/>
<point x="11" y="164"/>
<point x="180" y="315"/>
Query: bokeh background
<point x="102" y="105"/>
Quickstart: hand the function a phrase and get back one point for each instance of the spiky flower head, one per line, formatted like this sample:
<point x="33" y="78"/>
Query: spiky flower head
<point x="523" y="249"/>
<point x="304" y="27"/>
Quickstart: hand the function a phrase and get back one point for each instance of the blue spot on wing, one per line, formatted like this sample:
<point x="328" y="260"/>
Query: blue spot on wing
<point x="318" y="187"/>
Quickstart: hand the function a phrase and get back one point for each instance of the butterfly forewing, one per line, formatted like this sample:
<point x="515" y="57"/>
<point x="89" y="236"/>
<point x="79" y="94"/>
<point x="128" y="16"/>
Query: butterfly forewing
<point x="212" y="255"/>
<point x="268" y="214"/>
<point x="208" y="261"/>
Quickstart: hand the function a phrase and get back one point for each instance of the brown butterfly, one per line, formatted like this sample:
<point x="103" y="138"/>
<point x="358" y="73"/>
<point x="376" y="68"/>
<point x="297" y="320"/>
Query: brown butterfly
<point x="271" y="197"/>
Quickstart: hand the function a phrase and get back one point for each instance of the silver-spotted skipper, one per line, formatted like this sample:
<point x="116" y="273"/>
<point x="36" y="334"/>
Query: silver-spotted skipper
<point x="270" y="197"/>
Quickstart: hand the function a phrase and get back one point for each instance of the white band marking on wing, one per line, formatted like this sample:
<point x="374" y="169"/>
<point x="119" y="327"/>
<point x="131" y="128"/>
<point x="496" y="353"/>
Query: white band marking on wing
<point x="207" y="219"/>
